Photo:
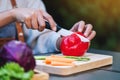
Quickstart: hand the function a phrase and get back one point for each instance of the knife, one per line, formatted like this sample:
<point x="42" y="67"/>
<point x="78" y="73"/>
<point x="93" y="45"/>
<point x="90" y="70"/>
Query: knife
<point x="65" y="32"/>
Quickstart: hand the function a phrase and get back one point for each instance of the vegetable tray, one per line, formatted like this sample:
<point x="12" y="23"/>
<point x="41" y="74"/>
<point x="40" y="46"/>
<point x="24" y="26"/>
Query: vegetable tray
<point x="96" y="61"/>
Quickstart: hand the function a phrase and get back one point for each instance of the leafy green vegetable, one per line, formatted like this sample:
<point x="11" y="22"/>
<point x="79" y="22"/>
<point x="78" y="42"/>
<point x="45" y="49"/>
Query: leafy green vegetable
<point x="12" y="71"/>
<point x="40" y="57"/>
<point x="78" y="58"/>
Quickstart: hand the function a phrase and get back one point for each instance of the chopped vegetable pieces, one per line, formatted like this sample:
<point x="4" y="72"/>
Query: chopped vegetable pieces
<point x="57" y="63"/>
<point x="55" y="60"/>
<point x="58" y="60"/>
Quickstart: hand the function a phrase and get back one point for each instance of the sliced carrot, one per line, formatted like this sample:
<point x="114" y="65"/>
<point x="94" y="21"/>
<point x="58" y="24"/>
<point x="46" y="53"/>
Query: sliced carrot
<point x="56" y="63"/>
<point x="56" y="60"/>
<point x="59" y="59"/>
<point x="47" y="61"/>
<point x="57" y="56"/>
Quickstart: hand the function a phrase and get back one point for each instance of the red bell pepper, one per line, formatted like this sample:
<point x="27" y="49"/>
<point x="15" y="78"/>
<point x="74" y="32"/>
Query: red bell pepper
<point x="74" y="44"/>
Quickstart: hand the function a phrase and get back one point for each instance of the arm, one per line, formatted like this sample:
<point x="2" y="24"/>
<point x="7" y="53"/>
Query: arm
<point x="6" y="18"/>
<point x="34" y="19"/>
<point x="40" y="42"/>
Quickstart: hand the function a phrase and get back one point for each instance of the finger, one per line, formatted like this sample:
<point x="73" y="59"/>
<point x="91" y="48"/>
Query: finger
<point x="41" y="21"/>
<point x="92" y="35"/>
<point x="81" y="26"/>
<point x="75" y="27"/>
<point x="34" y="21"/>
<point x="28" y="22"/>
<point x="88" y="29"/>
<point x="50" y="20"/>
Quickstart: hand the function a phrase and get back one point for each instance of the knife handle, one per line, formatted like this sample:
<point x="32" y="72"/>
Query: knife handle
<point x="48" y="26"/>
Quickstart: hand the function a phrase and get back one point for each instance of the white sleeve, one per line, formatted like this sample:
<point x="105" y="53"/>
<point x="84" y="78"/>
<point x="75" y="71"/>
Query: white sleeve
<point x="45" y="42"/>
<point x="40" y="42"/>
<point x="36" y="4"/>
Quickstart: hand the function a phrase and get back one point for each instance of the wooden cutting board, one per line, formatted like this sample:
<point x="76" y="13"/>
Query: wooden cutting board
<point x="40" y="75"/>
<point x="96" y="61"/>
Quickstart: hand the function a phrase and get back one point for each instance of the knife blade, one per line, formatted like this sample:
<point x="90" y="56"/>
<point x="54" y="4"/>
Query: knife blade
<point x="65" y="32"/>
<point x="59" y="30"/>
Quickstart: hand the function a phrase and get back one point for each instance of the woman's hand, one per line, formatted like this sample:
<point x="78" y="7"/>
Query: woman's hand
<point x="80" y="26"/>
<point x="34" y="19"/>
<point x="86" y="29"/>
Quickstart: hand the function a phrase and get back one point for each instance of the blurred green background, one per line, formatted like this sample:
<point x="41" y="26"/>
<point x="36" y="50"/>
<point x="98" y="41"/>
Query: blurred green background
<point x="104" y="15"/>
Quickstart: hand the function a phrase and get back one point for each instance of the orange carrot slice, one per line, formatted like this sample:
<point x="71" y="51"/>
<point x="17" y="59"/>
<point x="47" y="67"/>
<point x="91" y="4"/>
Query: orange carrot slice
<point x="56" y="63"/>
<point x="59" y="59"/>
<point x="56" y="60"/>
<point x="47" y="61"/>
<point x="57" y="56"/>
